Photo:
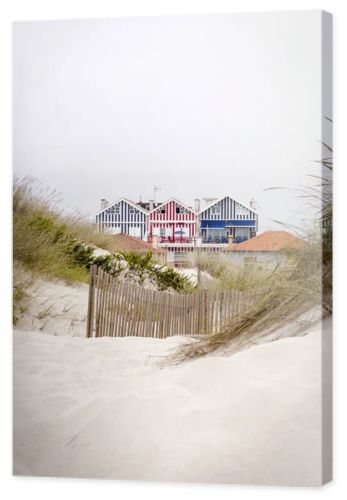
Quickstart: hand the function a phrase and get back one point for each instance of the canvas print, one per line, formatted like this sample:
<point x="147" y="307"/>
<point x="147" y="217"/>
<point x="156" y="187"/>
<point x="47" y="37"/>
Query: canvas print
<point x="172" y="248"/>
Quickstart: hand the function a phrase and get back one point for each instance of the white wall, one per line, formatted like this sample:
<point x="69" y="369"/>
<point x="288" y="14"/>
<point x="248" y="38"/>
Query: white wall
<point x="268" y="260"/>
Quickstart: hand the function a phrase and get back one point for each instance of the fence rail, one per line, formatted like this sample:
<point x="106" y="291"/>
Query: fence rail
<point x="122" y="309"/>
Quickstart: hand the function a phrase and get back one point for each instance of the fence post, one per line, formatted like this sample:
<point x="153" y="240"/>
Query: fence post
<point x="90" y="313"/>
<point x="206" y="310"/>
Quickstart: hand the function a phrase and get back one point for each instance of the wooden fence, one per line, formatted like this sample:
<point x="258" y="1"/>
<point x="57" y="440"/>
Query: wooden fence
<point x="122" y="309"/>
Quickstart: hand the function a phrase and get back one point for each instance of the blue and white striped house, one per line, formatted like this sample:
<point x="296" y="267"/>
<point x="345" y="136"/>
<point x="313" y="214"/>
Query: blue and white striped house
<point x="123" y="216"/>
<point x="225" y="220"/>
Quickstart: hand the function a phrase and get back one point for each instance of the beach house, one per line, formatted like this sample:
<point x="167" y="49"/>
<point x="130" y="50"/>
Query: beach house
<point x="172" y="222"/>
<point x="122" y="217"/>
<point x="226" y="220"/>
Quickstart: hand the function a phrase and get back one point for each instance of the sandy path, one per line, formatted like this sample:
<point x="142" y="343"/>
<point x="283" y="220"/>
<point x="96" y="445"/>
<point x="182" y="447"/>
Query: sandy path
<point x="105" y="408"/>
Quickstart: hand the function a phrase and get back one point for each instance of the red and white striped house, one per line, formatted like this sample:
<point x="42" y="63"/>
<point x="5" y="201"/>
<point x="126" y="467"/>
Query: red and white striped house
<point x="172" y="222"/>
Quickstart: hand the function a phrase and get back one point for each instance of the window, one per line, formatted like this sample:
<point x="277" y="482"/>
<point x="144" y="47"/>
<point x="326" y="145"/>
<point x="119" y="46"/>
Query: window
<point x="113" y="210"/>
<point x="181" y="210"/>
<point x="162" y="210"/>
<point x="131" y="210"/>
<point x="216" y="210"/>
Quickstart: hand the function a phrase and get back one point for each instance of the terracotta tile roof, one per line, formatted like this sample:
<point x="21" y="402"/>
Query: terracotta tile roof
<point x="269" y="241"/>
<point x="126" y="243"/>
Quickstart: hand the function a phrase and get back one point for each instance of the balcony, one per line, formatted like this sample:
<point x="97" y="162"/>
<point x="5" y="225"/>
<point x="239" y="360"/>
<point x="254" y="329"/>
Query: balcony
<point x="176" y="239"/>
<point x="214" y="240"/>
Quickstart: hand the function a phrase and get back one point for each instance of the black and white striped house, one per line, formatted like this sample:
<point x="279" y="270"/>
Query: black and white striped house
<point x="224" y="220"/>
<point x="123" y="216"/>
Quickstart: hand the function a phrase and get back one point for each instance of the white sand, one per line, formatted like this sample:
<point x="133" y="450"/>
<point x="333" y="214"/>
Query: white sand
<point x="54" y="308"/>
<point x="192" y="274"/>
<point x="109" y="408"/>
<point x="105" y="408"/>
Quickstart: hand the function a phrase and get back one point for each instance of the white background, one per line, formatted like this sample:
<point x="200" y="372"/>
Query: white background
<point x="36" y="488"/>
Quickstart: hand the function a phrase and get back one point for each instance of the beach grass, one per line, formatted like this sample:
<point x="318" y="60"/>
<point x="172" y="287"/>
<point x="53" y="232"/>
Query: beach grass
<point x="50" y="242"/>
<point x="302" y="283"/>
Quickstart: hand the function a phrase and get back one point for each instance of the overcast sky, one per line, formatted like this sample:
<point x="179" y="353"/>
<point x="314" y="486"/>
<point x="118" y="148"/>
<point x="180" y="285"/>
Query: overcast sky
<point x="198" y="105"/>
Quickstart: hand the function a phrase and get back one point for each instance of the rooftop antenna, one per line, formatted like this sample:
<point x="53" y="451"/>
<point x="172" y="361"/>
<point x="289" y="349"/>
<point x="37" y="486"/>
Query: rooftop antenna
<point x="155" y="190"/>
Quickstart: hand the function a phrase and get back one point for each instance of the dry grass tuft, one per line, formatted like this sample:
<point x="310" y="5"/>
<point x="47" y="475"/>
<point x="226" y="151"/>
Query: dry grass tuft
<point x="284" y="295"/>
<point x="228" y="275"/>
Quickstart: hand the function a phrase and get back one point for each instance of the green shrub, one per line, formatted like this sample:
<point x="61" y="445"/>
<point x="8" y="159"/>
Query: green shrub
<point x="82" y="255"/>
<point x="165" y="278"/>
<point x="169" y="278"/>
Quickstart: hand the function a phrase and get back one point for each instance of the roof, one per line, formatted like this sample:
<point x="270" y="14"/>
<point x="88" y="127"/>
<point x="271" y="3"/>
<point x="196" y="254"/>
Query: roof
<point x="134" y="203"/>
<point x="126" y="243"/>
<point x="130" y="202"/>
<point x="146" y="204"/>
<point x="269" y="241"/>
<point x="218" y="200"/>
<point x="177" y="201"/>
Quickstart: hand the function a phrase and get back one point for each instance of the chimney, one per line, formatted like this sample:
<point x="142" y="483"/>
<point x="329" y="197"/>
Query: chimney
<point x="197" y="205"/>
<point x="151" y="204"/>
<point x="253" y="204"/>
<point x="104" y="203"/>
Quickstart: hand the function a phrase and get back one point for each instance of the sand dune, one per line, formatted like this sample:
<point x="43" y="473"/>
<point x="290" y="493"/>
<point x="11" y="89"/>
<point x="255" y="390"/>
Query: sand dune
<point x="110" y="408"/>
<point x="55" y="308"/>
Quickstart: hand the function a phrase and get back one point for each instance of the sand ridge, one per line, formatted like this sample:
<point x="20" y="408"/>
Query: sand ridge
<point x="110" y="408"/>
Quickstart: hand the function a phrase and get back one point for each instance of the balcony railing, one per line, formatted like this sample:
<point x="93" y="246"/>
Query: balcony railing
<point x="176" y="239"/>
<point x="210" y="240"/>
<point x="222" y="240"/>
<point x="170" y="239"/>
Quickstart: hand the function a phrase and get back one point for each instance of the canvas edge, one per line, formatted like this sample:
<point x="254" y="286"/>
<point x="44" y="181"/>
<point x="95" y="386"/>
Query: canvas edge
<point x="326" y="332"/>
